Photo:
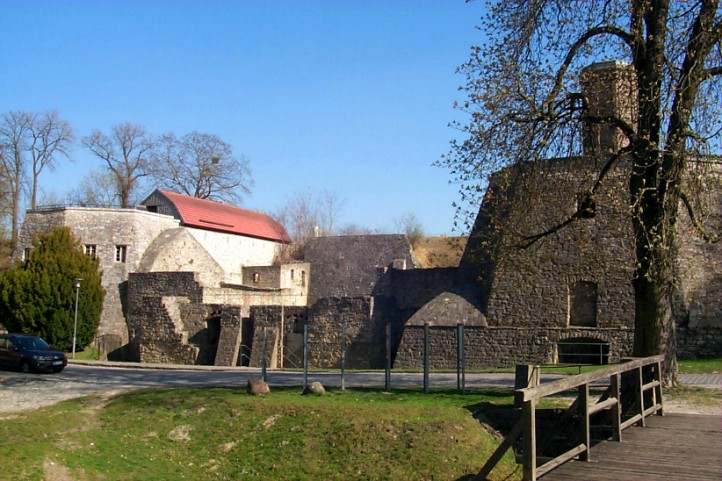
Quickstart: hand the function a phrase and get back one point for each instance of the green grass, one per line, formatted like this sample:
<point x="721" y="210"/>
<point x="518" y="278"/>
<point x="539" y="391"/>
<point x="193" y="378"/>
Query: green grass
<point x="354" y="435"/>
<point x="90" y="353"/>
<point x="701" y="366"/>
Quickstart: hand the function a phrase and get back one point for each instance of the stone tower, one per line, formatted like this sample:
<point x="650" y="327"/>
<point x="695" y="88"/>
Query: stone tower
<point x="609" y="89"/>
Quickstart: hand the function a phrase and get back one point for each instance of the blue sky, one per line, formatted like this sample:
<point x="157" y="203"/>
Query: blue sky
<point x="352" y="97"/>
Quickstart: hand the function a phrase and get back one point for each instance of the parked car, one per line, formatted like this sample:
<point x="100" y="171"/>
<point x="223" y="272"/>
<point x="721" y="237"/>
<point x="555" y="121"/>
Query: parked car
<point x="30" y="353"/>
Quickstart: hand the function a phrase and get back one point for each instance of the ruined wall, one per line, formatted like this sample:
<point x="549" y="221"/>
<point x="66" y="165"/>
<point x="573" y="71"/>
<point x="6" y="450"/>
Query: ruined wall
<point x="269" y="317"/>
<point x="500" y="346"/>
<point x="262" y="276"/>
<point x="166" y="316"/>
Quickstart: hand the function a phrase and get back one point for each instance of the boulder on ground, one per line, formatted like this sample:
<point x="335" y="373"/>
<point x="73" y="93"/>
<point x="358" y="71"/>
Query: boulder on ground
<point x="257" y="387"/>
<point x="314" y="388"/>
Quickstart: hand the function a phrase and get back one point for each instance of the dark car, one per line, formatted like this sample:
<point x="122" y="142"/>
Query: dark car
<point x="30" y="353"/>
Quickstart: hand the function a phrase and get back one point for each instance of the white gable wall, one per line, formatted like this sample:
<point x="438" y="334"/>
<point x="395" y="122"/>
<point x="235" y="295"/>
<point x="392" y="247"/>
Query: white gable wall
<point x="232" y="251"/>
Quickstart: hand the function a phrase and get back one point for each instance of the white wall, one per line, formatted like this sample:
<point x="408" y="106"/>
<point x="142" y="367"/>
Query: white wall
<point x="232" y="251"/>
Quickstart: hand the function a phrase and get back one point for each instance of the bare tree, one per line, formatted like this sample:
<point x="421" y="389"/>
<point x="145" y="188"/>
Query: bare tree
<point x="307" y="214"/>
<point x="14" y="128"/>
<point x="411" y="226"/>
<point x="48" y="137"/>
<point x="201" y="165"/>
<point x="522" y="97"/>
<point x="96" y="189"/>
<point x="126" y="151"/>
<point x="355" y="229"/>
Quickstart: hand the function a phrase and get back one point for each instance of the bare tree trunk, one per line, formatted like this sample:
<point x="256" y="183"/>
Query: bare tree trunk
<point x="34" y="191"/>
<point x="16" y="183"/>
<point x="654" y="326"/>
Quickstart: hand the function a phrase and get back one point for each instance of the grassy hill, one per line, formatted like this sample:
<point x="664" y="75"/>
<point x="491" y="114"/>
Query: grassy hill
<point x="223" y="434"/>
<point x="441" y="251"/>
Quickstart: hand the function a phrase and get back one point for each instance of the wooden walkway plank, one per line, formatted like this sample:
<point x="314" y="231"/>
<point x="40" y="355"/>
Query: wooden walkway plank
<point x="670" y="448"/>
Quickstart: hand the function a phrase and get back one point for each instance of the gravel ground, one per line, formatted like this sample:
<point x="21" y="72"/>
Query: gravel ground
<point x="21" y="392"/>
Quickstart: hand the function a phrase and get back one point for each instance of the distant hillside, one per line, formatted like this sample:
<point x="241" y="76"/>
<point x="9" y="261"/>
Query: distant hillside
<point x="439" y="251"/>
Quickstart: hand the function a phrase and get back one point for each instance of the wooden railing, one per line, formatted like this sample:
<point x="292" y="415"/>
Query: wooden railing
<point x="611" y="400"/>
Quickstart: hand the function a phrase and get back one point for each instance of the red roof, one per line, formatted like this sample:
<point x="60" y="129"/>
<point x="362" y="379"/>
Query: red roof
<point x="212" y="215"/>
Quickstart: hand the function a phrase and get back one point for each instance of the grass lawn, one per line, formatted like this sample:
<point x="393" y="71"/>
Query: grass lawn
<point x="88" y="354"/>
<point x="701" y="366"/>
<point x="223" y="434"/>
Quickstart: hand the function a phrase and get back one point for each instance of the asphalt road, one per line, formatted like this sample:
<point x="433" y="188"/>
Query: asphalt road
<point x="19" y="392"/>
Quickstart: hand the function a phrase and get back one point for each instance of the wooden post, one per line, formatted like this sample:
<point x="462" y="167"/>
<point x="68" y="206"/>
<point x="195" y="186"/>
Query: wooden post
<point x="525" y="375"/>
<point x="640" y="396"/>
<point x="616" y="411"/>
<point x="658" y="389"/>
<point x="529" y="418"/>
<point x="583" y="407"/>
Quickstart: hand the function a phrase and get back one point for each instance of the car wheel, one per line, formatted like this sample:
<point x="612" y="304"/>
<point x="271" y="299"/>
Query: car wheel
<point x="25" y="367"/>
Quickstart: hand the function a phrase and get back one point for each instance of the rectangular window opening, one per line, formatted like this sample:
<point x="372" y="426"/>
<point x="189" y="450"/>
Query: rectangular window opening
<point x="90" y="250"/>
<point x="120" y="253"/>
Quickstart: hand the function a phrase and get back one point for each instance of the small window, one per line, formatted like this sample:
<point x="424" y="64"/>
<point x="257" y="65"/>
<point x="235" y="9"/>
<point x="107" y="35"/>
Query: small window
<point x="303" y="278"/>
<point x="152" y="208"/>
<point x="26" y="254"/>
<point x="120" y="253"/>
<point x="298" y="322"/>
<point x="291" y="274"/>
<point x="256" y="277"/>
<point x="90" y="250"/>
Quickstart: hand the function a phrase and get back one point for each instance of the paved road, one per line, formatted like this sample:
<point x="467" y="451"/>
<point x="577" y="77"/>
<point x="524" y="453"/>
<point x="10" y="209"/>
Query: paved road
<point x="28" y="391"/>
<point x="20" y="392"/>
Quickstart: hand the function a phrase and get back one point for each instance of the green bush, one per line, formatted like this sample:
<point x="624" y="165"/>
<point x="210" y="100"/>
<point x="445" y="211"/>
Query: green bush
<point x="37" y="296"/>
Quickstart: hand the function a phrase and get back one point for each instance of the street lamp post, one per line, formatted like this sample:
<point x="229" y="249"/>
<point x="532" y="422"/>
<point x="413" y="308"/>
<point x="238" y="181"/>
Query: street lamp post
<point x="75" y="324"/>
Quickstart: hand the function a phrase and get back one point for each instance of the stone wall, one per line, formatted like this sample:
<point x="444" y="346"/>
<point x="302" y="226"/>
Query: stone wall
<point x="269" y="317"/>
<point x="533" y="286"/>
<point x="364" y="332"/>
<point x="500" y="346"/>
<point x="262" y="276"/>
<point x="105" y="229"/>
<point x="351" y="266"/>
<point x="699" y="342"/>
<point x="176" y="250"/>
<point x="167" y="320"/>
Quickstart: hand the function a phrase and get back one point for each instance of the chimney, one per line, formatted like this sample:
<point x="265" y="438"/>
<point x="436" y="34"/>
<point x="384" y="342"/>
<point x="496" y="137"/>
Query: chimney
<point x="609" y="88"/>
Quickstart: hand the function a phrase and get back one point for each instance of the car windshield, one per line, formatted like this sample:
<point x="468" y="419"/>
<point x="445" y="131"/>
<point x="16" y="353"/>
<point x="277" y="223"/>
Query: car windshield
<point x="30" y="343"/>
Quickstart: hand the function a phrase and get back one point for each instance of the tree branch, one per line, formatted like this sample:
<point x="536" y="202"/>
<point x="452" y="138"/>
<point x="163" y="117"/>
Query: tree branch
<point x="711" y="72"/>
<point x="626" y="128"/>
<point x="589" y="34"/>
<point x="707" y="236"/>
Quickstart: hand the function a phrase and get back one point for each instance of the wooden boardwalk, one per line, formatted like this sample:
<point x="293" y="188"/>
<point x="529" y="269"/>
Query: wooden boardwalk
<point x="673" y="447"/>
